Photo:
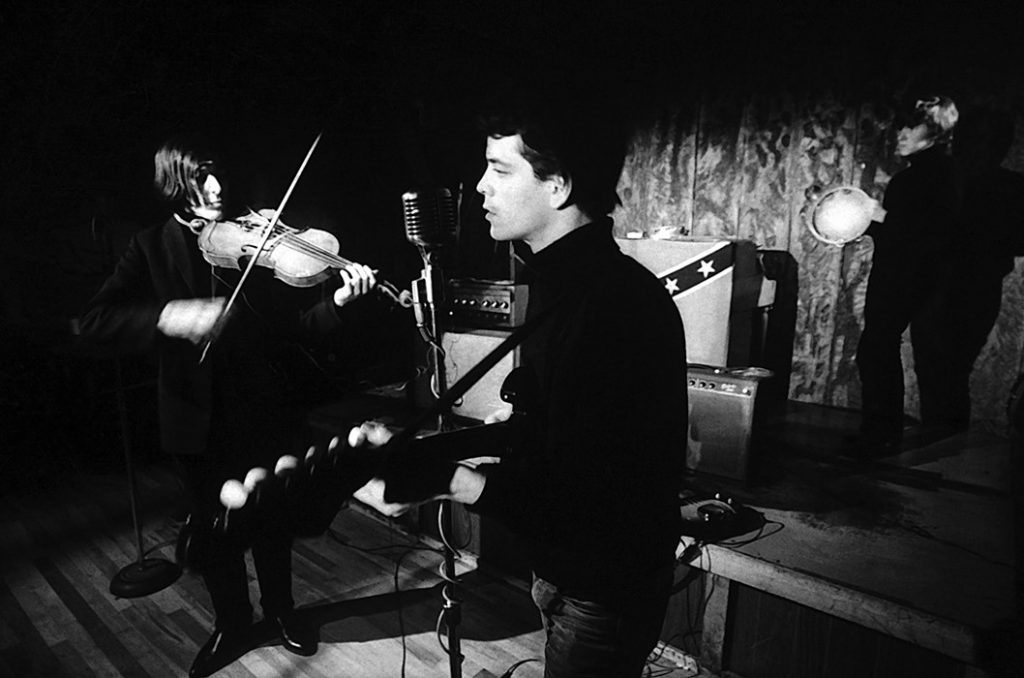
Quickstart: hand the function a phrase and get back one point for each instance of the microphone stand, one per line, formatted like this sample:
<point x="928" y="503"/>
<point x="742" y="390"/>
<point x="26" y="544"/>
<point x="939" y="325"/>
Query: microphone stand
<point x="145" y="575"/>
<point x="427" y="292"/>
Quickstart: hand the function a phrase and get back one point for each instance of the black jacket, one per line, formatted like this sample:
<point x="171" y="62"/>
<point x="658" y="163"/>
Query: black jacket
<point x="238" y="388"/>
<point x="923" y="201"/>
<point x="594" y="481"/>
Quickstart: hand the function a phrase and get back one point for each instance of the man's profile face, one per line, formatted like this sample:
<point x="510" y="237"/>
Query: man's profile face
<point x="911" y="140"/>
<point x="517" y="204"/>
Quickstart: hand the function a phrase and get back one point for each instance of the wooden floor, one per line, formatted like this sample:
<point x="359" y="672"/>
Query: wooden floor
<point x="61" y="542"/>
<point x="66" y="530"/>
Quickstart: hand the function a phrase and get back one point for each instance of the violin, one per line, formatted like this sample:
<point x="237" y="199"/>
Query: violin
<point x="298" y="257"/>
<point x="301" y="258"/>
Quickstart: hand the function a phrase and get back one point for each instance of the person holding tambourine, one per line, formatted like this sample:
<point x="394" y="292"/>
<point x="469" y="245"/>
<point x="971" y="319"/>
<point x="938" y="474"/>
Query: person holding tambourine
<point x="913" y="232"/>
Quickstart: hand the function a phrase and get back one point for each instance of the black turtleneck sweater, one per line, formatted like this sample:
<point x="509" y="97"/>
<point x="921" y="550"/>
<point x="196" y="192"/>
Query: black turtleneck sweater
<point x="593" y="481"/>
<point x="922" y="201"/>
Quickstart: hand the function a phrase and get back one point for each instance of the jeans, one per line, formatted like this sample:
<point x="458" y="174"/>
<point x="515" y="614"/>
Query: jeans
<point x="588" y="639"/>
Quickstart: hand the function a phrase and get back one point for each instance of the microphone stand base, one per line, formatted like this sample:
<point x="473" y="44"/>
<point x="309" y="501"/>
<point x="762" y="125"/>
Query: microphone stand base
<point x="144" y="577"/>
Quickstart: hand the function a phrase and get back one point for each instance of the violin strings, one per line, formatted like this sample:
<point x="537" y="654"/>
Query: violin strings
<point x="313" y="250"/>
<point x="323" y="255"/>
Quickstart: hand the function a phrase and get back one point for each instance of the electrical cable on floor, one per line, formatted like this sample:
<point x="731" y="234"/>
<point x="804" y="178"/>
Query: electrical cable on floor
<point x="512" y="669"/>
<point x="698" y="613"/>
<point x="760" y="534"/>
<point x="398" y="565"/>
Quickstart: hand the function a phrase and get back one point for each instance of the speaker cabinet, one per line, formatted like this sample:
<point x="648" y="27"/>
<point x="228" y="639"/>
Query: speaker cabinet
<point x="464" y="349"/>
<point x="721" y="417"/>
<point x="717" y="285"/>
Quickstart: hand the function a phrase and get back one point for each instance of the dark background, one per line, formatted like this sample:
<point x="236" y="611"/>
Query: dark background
<point x="90" y="89"/>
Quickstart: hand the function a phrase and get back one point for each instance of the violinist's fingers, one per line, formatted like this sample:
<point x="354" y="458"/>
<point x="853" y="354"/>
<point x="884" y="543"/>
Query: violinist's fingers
<point x="363" y="275"/>
<point x="346" y="292"/>
<point x="357" y="280"/>
<point x="370" y="277"/>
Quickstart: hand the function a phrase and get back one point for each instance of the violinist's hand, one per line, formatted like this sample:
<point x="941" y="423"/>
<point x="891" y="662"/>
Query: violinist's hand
<point x="191" y="319"/>
<point x="357" y="280"/>
<point x="372" y="434"/>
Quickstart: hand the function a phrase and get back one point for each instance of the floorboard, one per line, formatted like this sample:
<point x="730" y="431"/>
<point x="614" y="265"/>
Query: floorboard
<point x="61" y="545"/>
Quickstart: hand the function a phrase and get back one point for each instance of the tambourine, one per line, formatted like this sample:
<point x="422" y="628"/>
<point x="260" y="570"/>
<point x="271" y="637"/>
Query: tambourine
<point x="840" y="215"/>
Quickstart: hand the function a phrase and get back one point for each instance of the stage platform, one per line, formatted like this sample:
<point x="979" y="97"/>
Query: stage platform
<point x="918" y="547"/>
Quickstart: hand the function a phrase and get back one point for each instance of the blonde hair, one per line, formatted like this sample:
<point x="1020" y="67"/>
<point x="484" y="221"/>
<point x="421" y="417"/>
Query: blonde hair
<point x="939" y="114"/>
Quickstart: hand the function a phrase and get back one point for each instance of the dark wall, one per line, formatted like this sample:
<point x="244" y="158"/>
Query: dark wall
<point x="717" y="92"/>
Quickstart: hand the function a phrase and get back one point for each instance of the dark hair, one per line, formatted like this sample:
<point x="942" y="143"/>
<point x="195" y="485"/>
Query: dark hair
<point x="181" y="165"/>
<point x="567" y="132"/>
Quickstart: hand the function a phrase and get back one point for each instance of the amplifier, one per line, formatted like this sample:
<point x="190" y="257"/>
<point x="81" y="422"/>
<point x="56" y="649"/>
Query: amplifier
<point x="496" y="304"/>
<point x="721" y="418"/>
<point x="462" y="351"/>
<point x="716" y="284"/>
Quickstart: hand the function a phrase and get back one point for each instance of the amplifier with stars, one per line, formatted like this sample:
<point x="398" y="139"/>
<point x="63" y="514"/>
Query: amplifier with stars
<point x="719" y="289"/>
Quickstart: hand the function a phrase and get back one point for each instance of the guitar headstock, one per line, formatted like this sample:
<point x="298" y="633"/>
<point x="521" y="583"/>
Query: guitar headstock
<point x="301" y="497"/>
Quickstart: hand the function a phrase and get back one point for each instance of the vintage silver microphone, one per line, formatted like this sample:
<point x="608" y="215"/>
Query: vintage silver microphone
<point x="430" y="218"/>
<point x="431" y="223"/>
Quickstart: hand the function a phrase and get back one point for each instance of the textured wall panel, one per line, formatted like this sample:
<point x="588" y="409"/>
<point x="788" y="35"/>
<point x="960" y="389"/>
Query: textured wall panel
<point x="739" y="165"/>
<point x="656" y="187"/>
<point x="764" y="207"/>
<point x="719" y="171"/>
<point x="872" y="163"/>
<point x="822" y="156"/>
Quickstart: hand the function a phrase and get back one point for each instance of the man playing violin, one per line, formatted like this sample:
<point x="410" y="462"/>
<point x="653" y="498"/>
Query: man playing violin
<point x="228" y="411"/>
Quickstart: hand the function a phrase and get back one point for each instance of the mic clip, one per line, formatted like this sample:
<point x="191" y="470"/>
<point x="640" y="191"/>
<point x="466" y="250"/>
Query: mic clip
<point x="419" y="293"/>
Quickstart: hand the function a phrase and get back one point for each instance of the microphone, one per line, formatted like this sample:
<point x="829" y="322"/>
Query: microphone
<point x="430" y="218"/>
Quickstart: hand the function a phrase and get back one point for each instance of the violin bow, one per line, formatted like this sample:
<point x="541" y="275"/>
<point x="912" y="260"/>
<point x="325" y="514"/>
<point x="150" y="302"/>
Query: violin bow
<point x="259" y="250"/>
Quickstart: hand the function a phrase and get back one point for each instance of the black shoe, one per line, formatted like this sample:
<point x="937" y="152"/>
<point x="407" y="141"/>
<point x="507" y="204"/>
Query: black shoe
<point x="221" y="649"/>
<point x="299" y="636"/>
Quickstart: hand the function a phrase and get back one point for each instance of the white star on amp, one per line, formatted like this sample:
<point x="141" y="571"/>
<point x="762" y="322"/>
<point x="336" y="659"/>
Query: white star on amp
<point x="672" y="285"/>
<point x="706" y="268"/>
